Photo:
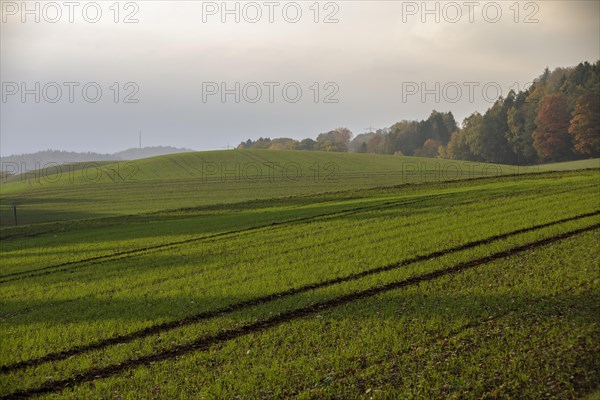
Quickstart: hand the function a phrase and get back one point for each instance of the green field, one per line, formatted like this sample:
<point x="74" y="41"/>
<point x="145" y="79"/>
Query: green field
<point x="359" y="276"/>
<point x="95" y="190"/>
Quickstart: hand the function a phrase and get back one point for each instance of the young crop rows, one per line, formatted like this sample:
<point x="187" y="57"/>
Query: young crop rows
<point x="487" y="287"/>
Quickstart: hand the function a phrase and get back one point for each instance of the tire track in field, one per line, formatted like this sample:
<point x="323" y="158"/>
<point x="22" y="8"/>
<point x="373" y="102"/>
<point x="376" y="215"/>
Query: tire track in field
<point x="511" y="176"/>
<point x="204" y="343"/>
<point x="26" y="310"/>
<point x="185" y="275"/>
<point x="66" y="266"/>
<point x="127" y="253"/>
<point x="70" y="265"/>
<point x="29" y="309"/>
<point x="192" y="319"/>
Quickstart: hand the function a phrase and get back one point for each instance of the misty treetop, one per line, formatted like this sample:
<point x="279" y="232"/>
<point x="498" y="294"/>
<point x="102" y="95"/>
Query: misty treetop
<point x="556" y="119"/>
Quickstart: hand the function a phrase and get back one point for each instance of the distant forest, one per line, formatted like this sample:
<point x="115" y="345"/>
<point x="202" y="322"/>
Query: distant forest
<point x="556" y="119"/>
<point x="19" y="163"/>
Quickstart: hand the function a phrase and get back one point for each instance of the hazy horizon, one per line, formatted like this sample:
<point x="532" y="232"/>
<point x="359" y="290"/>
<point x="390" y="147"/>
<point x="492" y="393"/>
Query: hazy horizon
<point x="367" y="61"/>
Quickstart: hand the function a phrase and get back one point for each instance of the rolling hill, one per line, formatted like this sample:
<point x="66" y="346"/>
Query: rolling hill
<point x="105" y="189"/>
<point x="457" y="289"/>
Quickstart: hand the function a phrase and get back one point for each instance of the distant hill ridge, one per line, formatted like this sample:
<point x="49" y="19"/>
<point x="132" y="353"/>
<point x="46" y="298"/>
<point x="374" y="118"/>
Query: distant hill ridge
<point x="18" y="163"/>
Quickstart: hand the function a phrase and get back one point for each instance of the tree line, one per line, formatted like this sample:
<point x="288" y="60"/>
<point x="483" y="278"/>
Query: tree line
<point x="557" y="118"/>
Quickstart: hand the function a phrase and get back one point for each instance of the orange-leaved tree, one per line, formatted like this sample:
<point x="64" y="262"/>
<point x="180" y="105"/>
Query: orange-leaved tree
<point x="551" y="138"/>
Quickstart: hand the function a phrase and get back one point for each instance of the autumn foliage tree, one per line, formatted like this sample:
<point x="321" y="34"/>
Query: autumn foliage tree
<point x="376" y="144"/>
<point x="557" y="118"/>
<point x="585" y="125"/>
<point x="430" y="148"/>
<point x="551" y="138"/>
<point x="335" y="140"/>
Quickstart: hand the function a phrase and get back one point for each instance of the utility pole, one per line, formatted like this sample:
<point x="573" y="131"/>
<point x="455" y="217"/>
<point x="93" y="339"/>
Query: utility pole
<point x="15" y="212"/>
<point x="140" y="138"/>
<point x="370" y="128"/>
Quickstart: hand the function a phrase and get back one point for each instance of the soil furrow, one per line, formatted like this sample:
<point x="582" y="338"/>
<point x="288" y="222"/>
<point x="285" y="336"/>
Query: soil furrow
<point x="164" y="246"/>
<point x="227" y="335"/>
<point x="154" y="329"/>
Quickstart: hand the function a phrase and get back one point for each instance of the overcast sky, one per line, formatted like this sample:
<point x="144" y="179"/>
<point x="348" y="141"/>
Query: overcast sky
<point x="367" y="69"/>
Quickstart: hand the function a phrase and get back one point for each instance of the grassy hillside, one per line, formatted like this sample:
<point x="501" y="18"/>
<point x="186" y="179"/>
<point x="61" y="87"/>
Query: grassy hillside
<point x="79" y="191"/>
<point x="571" y="165"/>
<point x="465" y="289"/>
